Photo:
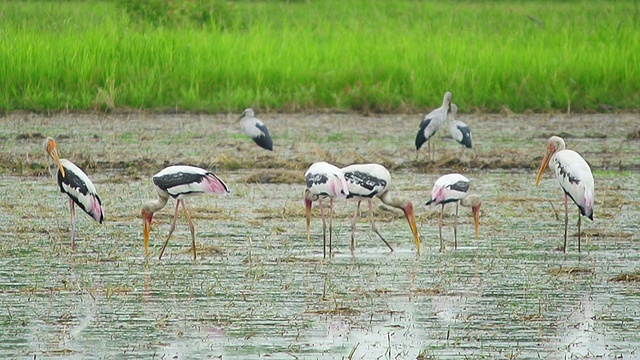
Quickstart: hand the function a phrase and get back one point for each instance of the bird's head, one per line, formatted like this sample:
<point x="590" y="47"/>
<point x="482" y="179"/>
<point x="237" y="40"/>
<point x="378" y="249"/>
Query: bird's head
<point x="246" y="113"/>
<point x="554" y="145"/>
<point x="408" y="213"/>
<point x="147" y="217"/>
<point x="52" y="150"/>
<point x="446" y="101"/>
<point x="473" y="201"/>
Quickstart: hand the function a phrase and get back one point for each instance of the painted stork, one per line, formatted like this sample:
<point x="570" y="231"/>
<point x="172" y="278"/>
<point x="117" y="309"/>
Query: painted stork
<point x="77" y="185"/>
<point x="574" y="177"/>
<point x="460" y="131"/>
<point x="366" y="181"/>
<point x="431" y="124"/>
<point x="179" y="182"/>
<point x="453" y="188"/>
<point x="323" y="180"/>
<point x="256" y="129"/>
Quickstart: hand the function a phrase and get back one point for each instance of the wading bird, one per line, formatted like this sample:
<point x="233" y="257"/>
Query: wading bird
<point x="431" y="124"/>
<point x="366" y="181"/>
<point x="460" y="131"/>
<point x="574" y="177"/>
<point x="323" y="180"/>
<point x="77" y="185"/>
<point x="453" y="188"/>
<point x="179" y="182"/>
<point x="256" y="129"/>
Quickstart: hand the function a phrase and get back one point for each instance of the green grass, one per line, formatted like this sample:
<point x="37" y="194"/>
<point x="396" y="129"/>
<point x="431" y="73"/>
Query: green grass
<point x="355" y="55"/>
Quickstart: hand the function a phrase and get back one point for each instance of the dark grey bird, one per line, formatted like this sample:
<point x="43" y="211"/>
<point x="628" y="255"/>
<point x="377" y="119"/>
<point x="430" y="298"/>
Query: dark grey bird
<point x="460" y="131"/>
<point x="431" y="123"/>
<point x="256" y="129"/>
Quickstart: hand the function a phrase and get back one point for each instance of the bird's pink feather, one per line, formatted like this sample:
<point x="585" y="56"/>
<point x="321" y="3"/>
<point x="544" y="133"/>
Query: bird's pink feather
<point x="214" y="185"/>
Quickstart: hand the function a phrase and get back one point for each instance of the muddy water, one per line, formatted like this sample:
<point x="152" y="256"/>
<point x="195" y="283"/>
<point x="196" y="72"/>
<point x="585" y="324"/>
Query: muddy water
<point x="259" y="289"/>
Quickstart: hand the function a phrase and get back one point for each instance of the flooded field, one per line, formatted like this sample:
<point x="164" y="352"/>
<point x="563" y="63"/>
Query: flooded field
<point x="259" y="290"/>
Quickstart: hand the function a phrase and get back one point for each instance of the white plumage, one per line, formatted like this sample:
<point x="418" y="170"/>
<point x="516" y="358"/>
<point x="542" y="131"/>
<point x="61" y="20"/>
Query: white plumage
<point x="78" y="187"/>
<point x="454" y="188"/>
<point x="366" y="181"/>
<point x="574" y="177"/>
<point x="323" y="180"/>
<point x="179" y="182"/>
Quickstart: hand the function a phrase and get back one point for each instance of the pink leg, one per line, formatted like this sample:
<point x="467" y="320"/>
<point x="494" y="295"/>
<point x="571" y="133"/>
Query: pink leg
<point x="353" y="227"/>
<point x="566" y="223"/>
<point x="324" y="230"/>
<point x="173" y="226"/>
<point x="72" y="207"/>
<point x="579" y="223"/>
<point x="373" y="226"/>
<point x="455" y="228"/>
<point x="191" y="228"/>
<point x="330" y="224"/>
<point x="440" y="227"/>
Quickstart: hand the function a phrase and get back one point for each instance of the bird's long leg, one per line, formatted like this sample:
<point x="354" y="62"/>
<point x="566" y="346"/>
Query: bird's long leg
<point x="191" y="228"/>
<point x="72" y="209"/>
<point x="353" y="227"/>
<point x="455" y="228"/>
<point x="330" y="223"/>
<point x="579" y="223"/>
<point x="173" y="226"/>
<point x="324" y="230"/>
<point x="373" y="226"/>
<point x="566" y="223"/>
<point x="440" y="227"/>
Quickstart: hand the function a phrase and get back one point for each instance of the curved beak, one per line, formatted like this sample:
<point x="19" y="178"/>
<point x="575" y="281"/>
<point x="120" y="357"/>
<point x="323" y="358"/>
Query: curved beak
<point x="476" y="218"/>
<point x="408" y="212"/>
<point x="544" y="164"/>
<point x="54" y="155"/>
<point x="146" y="229"/>
<point x="307" y="210"/>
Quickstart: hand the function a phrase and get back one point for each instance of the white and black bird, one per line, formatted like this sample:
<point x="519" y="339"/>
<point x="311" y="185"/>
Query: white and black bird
<point x="323" y="181"/>
<point x="179" y="182"/>
<point x="256" y="129"/>
<point x="574" y="177"/>
<point x="366" y="181"/>
<point x="431" y="123"/>
<point x="460" y="131"/>
<point x="453" y="188"/>
<point x="76" y="184"/>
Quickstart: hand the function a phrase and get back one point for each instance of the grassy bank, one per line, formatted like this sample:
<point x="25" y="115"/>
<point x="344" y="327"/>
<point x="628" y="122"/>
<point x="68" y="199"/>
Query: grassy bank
<point x="377" y="56"/>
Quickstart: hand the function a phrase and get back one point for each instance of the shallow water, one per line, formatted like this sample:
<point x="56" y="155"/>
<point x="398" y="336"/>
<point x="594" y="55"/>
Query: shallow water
<point x="259" y="289"/>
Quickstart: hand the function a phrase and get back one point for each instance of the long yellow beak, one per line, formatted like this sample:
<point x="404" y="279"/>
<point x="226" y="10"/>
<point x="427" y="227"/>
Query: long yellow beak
<point x="408" y="212"/>
<point x="544" y="164"/>
<point x="54" y="155"/>
<point x="476" y="218"/>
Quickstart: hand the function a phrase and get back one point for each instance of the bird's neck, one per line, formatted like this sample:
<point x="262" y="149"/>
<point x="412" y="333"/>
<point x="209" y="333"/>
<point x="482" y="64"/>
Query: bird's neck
<point x="155" y="205"/>
<point x="389" y="200"/>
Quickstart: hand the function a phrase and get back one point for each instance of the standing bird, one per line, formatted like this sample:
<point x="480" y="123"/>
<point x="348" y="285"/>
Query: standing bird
<point x="323" y="180"/>
<point x="575" y="178"/>
<point x="460" y="131"/>
<point x="179" y="182"/>
<point x="77" y="185"/>
<point x="256" y="129"/>
<point x="368" y="180"/>
<point x="432" y="123"/>
<point x="453" y="188"/>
